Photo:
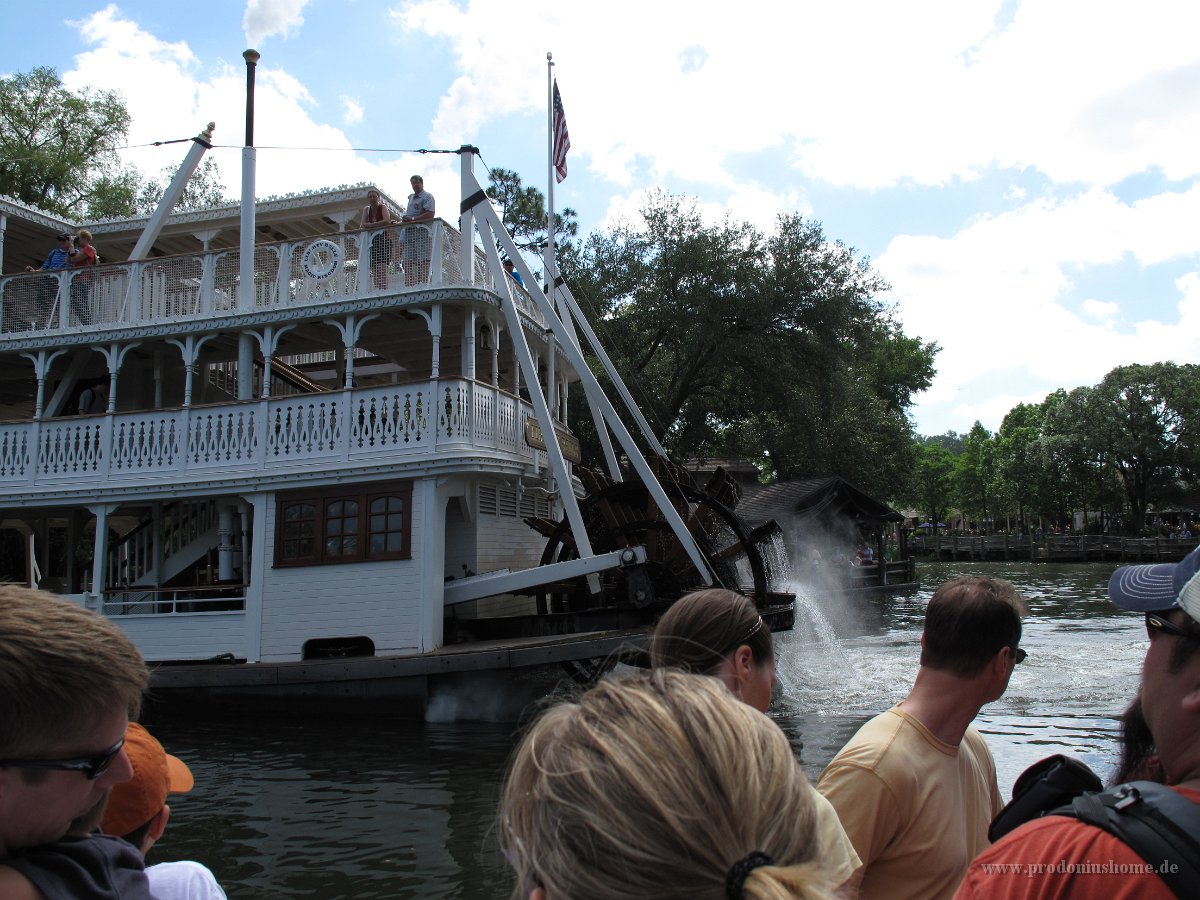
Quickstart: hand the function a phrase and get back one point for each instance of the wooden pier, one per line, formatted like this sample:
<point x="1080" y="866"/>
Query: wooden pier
<point x="1050" y="548"/>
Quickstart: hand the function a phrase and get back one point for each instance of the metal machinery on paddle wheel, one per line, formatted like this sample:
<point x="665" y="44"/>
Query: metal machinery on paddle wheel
<point x="622" y="514"/>
<point x="644" y="533"/>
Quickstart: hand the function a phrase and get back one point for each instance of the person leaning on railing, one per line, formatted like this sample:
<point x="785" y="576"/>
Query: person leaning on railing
<point x="81" y="284"/>
<point x="375" y="214"/>
<point x="59" y="258"/>
<point x="417" y="243"/>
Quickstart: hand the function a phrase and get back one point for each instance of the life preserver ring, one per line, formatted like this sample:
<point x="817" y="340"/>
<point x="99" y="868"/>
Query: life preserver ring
<point x="321" y="259"/>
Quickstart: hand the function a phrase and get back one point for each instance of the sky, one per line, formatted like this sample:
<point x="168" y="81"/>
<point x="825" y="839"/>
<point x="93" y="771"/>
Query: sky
<point x="1025" y="175"/>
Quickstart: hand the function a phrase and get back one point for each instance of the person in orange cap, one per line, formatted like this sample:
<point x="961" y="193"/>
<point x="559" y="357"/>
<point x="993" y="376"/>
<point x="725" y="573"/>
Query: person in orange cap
<point x="138" y="812"/>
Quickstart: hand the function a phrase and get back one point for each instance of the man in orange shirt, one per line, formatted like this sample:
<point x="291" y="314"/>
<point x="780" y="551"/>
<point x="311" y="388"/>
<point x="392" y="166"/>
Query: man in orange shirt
<point x="1058" y="856"/>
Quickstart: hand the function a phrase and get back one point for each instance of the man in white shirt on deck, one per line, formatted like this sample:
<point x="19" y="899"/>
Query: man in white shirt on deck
<point x="418" y="242"/>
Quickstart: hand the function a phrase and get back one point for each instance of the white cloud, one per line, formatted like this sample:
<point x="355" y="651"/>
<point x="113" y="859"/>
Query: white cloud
<point x="171" y="95"/>
<point x="929" y="92"/>
<point x="993" y="294"/>
<point x="1103" y="310"/>
<point x="1081" y="105"/>
<point x="352" y="111"/>
<point x="267" y="18"/>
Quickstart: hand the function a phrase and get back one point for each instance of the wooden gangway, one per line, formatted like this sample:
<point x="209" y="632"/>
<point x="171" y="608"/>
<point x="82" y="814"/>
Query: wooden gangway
<point x="1050" y="548"/>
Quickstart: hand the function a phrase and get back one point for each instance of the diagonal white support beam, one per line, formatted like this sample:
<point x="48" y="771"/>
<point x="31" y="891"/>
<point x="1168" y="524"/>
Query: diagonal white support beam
<point x="492" y="583"/>
<point x="563" y="293"/>
<point x="497" y="236"/>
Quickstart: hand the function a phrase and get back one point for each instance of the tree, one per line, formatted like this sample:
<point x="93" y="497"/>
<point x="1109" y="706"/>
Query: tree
<point x="1146" y="416"/>
<point x="745" y="344"/>
<point x="58" y="149"/>
<point x="1019" y="459"/>
<point x="204" y="189"/>
<point x="932" y="488"/>
<point x="951" y="440"/>
<point x="976" y="473"/>
<point x="523" y="212"/>
<point x="1075" y="451"/>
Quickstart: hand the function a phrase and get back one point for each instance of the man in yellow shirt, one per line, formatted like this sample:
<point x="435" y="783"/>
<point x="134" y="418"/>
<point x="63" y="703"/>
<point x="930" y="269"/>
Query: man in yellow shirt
<point x="916" y="788"/>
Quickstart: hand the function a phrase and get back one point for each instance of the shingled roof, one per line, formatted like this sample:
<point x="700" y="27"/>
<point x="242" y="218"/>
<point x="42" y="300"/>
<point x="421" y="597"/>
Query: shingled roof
<point x="827" y="497"/>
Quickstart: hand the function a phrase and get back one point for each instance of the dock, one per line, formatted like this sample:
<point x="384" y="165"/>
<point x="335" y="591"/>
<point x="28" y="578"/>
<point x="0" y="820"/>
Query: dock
<point x="1050" y="548"/>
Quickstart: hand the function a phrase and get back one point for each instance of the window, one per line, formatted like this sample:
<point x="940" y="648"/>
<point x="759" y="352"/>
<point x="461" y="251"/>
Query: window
<point x="344" y="524"/>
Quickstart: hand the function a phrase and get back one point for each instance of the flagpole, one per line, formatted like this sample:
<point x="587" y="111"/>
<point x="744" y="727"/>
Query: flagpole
<point x="548" y="257"/>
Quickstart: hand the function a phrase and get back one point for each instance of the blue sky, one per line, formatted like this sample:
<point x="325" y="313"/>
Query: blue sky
<point x="1024" y="174"/>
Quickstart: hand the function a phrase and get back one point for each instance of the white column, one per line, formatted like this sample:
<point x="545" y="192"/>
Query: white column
<point x="158" y="380"/>
<point x="225" y="545"/>
<point x="468" y="350"/>
<point x="429" y="546"/>
<point x="99" y="550"/>
<point x="495" y="356"/>
<point x="156" y="542"/>
<point x="255" y="577"/>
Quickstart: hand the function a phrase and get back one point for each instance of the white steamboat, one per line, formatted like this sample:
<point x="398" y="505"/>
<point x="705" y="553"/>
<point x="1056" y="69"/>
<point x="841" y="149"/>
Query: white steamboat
<point x="302" y="480"/>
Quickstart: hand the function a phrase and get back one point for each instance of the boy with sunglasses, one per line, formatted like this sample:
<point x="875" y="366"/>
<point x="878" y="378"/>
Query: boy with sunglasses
<point x="69" y="683"/>
<point x="1061" y="856"/>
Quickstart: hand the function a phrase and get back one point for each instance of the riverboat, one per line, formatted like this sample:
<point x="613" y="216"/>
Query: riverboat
<point x="301" y="474"/>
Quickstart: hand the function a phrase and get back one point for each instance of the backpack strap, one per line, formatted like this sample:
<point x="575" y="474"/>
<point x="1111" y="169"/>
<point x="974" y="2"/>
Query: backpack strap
<point x="1155" y="822"/>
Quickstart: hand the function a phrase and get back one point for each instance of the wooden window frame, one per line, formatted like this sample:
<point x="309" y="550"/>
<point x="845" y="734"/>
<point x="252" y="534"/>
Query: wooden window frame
<point x="322" y="499"/>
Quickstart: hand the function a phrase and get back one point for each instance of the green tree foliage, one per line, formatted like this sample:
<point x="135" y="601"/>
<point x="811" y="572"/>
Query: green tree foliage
<point x="976" y="474"/>
<point x="951" y="440"/>
<point x="932" y="488"/>
<point x="523" y="212"/>
<point x="1118" y="448"/>
<point x="1145" y="417"/>
<point x="743" y="344"/>
<point x="58" y="147"/>
<point x="204" y="189"/>
<point x="1075" y="453"/>
<point x="1019" y="461"/>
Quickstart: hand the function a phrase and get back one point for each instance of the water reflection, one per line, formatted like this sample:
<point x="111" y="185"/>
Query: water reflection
<point x="333" y="809"/>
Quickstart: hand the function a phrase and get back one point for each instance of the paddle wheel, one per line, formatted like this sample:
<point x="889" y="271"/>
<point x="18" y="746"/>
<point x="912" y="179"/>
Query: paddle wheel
<point x="622" y="514"/>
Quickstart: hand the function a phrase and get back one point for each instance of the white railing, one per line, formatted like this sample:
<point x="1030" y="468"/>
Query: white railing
<point x="205" y="285"/>
<point x="139" y="601"/>
<point x="338" y="428"/>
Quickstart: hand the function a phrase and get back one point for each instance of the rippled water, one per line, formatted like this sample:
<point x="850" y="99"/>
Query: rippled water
<point x="338" y="809"/>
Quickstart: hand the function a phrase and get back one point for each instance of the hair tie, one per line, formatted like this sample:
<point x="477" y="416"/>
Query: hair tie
<point x="735" y="881"/>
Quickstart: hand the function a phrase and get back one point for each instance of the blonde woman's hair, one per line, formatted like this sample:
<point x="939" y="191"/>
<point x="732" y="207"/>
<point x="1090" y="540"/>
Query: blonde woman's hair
<point x="654" y="786"/>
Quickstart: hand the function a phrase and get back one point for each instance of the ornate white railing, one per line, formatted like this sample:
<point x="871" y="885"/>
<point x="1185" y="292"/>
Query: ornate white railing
<point x="315" y="431"/>
<point x="205" y="286"/>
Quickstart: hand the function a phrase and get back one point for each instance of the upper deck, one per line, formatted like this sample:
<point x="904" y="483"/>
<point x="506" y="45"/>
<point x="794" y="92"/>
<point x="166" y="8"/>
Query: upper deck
<point x="402" y="366"/>
<point x="293" y="280"/>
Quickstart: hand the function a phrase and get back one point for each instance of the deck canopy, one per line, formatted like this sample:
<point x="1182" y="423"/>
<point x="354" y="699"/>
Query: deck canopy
<point x="29" y="233"/>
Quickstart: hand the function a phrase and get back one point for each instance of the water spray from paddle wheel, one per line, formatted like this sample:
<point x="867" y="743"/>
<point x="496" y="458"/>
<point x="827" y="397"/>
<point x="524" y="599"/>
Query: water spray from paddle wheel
<point x="621" y="514"/>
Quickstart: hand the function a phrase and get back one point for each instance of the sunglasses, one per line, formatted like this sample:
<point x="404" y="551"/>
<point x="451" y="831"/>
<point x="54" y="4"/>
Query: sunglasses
<point x="1158" y="623"/>
<point x="1019" y="655"/>
<point x="91" y="766"/>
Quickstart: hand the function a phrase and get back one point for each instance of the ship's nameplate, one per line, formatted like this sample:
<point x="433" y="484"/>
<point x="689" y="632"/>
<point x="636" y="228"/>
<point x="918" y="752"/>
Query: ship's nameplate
<point x="569" y="444"/>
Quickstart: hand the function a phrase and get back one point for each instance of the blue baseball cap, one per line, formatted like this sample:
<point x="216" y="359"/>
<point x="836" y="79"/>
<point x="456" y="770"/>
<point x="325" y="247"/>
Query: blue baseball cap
<point x="1158" y="586"/>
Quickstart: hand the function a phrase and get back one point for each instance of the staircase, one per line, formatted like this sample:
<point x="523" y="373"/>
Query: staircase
<point x="285" y="379"/>
<point x="187" y="531"/>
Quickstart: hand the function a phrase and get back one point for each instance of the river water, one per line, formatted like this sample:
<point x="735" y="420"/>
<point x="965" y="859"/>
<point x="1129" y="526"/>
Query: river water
<point x="331" y="809"/>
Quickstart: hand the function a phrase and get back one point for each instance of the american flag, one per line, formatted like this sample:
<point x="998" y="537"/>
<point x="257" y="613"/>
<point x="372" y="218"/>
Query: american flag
<point x="562" y="140"/>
